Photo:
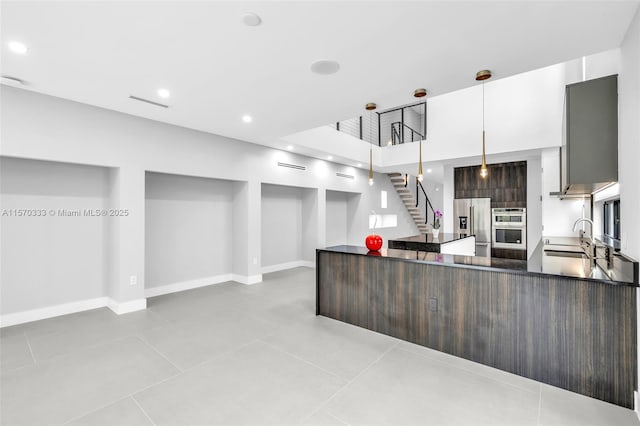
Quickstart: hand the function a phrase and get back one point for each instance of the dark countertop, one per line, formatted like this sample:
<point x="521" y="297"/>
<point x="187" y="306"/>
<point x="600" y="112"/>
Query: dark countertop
<point x="428" y="238"/>
<point x="538" y="264"/>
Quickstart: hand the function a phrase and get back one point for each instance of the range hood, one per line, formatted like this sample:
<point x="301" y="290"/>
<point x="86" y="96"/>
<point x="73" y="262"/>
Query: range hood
<point x="589" y="153"/>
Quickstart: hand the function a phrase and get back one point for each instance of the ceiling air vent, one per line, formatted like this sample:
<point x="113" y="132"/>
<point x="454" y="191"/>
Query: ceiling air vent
<point x="12" y="81"/>
<point x="292" y="166"/>
<point x="135" y="98"/>
<point x="345" y="176"/>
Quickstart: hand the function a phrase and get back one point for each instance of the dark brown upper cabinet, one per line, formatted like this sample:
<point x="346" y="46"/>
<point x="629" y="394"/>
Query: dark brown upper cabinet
<point x="506" y="184"/>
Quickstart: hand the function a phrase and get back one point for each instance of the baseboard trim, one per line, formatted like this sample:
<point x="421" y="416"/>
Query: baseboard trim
<point x="31" y="315"/>
<point x="126" y="307"/>
<point x="120" y="308"/>
<point x="247" y="279"/>
<point x="187" y="285"/>
<point x="72" y="308"/>
<point x="288" y="265"/>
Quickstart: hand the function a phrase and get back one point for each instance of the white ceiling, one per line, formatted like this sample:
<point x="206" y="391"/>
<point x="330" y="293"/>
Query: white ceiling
<point x="218" y="69"/>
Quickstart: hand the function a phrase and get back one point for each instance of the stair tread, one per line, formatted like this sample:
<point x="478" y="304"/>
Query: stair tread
<point x="409" y="201"/>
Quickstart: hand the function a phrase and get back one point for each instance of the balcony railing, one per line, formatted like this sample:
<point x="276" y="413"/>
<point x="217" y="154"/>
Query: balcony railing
<point x="391" y="127"/>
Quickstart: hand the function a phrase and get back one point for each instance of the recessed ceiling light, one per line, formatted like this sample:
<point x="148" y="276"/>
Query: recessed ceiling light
<point x="247" y="118"/>
<point x="251" y="19"/>
<point x="11" y="81"/>
<point x="164" y="93"/>
<point x="359" y="164"/>
<point x="330" y="157"/>
<point x="324" y="67"/>
<point x="437" y="189"/>
<point x="17" y="47"/>
<point x="290" y="147"/>
<point x="429" y="170"/>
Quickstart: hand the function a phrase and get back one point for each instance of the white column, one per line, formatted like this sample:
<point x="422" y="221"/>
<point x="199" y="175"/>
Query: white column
<point x="247" y="236"/>
<point x="126" y="217"/>
<point x="322" y="219"/>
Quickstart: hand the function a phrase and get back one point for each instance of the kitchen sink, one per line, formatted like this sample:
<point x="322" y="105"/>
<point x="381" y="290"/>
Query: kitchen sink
<point x="562" y="253"/>
<point x="565" y="248"/>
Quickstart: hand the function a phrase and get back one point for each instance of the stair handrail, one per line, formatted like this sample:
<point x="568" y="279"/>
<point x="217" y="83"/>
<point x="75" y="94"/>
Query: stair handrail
<point x="397" y="132"/>
<point x="427" y="203"/>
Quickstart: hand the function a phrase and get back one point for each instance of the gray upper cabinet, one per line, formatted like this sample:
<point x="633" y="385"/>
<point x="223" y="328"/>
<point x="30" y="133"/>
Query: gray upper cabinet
<point x="589" y="154"/>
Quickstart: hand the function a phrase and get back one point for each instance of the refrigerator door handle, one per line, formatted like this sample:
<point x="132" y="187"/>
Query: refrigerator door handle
<point x="471" y="230"/>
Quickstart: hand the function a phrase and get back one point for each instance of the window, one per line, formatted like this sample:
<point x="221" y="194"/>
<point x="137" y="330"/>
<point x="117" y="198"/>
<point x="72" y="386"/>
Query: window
<point x="611" y="219"/>
<point x="383" y="221"/>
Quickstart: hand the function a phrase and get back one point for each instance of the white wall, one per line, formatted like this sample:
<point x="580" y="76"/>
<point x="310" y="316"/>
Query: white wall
<point x="188" y="228"/>
<point x="337" y="208"/>
<point x="558" y="216"/>
<point x="52" y="259"/>
<point x="629" y="146"/>
<point x="291" y="229"/>
<point x="448" y="194"/>
<point x="41" y="127"/>
<point x="522" y="112"/>
<point x="312" y="233"/>
<point x="361" y="207"/>
<point x="282" y="224"/>
<point x="534" y="204"/>
<point x="594" y="66"/>
<point x="629" y="140"/>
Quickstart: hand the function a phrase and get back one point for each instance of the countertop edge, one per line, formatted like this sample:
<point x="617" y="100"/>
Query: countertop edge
<point x="478" y="267"/>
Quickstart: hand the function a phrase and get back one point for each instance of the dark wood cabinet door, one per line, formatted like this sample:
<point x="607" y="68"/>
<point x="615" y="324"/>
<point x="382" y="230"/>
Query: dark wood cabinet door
<point x="506" y="184"/>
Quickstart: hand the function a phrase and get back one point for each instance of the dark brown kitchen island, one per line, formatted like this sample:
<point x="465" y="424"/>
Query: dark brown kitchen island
<point x="574" y="333"/>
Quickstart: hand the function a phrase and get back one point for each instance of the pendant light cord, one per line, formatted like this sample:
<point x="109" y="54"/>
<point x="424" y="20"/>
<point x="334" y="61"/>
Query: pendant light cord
<point x="483" y="105"/>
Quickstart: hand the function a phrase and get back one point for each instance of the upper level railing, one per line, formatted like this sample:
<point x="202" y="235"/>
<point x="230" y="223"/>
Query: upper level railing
<point x="391" y="127"/>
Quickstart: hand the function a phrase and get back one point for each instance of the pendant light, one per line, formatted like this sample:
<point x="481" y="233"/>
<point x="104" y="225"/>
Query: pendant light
<point x="370" y="107"/>
<point x="420" y="93"/>
<point x="482" y="76"/>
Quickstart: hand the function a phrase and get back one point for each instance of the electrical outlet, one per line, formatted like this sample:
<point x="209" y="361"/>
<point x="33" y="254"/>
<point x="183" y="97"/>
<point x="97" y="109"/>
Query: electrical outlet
<point x="133" y="280"/>
<point x="255" y="260"/>
<point x="433" y="304"/>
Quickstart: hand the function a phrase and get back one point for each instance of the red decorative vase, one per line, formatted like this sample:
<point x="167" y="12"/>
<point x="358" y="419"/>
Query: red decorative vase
<point x="373" y="242"/>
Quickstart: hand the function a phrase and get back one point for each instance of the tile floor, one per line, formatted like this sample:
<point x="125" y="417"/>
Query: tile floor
<point x="233" y="354"/>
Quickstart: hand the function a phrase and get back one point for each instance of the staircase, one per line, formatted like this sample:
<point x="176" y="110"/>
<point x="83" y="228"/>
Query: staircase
<point x="397" y="179"/>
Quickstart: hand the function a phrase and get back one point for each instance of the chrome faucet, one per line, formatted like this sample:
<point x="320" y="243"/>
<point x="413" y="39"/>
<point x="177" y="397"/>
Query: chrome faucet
<point x="584" y="219"/>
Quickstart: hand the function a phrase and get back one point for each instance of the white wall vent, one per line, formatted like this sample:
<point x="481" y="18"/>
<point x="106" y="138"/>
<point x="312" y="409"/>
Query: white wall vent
<point x="135" y="98"/>
<point x="292" y="166"/>
<point x="344" y="175"/>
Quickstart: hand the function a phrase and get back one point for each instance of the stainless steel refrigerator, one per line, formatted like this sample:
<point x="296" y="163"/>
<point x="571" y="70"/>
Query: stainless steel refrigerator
<point x="472" y="216"/>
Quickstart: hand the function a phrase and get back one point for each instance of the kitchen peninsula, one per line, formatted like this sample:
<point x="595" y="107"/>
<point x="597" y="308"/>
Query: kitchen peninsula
<point x="574" y="332"/>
